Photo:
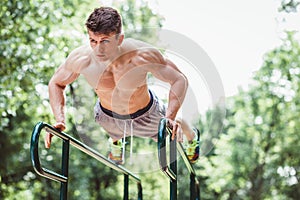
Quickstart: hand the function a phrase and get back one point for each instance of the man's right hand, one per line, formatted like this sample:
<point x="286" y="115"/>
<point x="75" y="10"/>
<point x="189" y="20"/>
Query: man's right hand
<point x="60" y="126"/>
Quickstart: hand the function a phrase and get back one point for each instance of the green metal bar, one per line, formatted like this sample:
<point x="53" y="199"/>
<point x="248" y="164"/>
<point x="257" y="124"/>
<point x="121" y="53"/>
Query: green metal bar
<point x="35" y="159"/>
<point x="88" y="150"/>
<point x="65" y="169"/>
<point x="197" y="191"/>
<point x="67" y="140"/>
<point x="140" y="192"/>
<point x="192" y="187"/>
<point x="171" y="172"/>
<point x="161" y="144"/>
<point x="126" y="182"/>
<point x="173" y="167"/>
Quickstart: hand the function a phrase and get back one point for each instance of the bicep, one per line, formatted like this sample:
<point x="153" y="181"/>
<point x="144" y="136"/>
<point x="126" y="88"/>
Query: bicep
<point x="70" y="69"/>
<point x="167" y="71"/>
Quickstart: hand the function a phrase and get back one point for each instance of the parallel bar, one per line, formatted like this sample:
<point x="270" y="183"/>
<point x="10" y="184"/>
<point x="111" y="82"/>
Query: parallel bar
<point x="161" y="144"/>
<point x="126" y="183"/>
<point x="65" y="169"/>
<point x="67" y="140"/>
<point x="173" y="167"/>
<point x="182" y="154"/>
<point x="171" y="172"/>
<point x="88" y="150"/>
<point x="35" y="157"/>
<point x="192" y="187"/>
<point x="140" y="191"/>
<point x="197" y="191"/>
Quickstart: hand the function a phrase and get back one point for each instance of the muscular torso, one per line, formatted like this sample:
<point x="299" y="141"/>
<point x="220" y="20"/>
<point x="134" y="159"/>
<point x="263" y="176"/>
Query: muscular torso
<point x="121" y="85"/>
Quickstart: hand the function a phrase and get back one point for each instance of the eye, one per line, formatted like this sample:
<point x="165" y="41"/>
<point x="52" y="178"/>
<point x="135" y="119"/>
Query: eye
<point x="105" y="41"/>
<point x="93" y="41"/>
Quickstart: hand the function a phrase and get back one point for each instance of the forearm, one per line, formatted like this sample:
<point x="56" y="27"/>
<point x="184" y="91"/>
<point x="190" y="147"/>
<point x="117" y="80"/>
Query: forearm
<point x="57" y="101"/>
<point x="176" y="97"/>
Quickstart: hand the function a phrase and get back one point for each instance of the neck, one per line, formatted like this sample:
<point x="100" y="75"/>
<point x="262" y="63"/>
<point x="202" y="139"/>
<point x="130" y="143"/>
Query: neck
<point x="115" y="56"/>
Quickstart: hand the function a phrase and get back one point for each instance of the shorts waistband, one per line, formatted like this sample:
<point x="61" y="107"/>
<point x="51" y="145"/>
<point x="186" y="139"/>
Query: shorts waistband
<point x="129" y="116"/>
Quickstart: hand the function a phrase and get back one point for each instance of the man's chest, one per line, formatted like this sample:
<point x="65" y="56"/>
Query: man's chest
<point x="122" y="77"/>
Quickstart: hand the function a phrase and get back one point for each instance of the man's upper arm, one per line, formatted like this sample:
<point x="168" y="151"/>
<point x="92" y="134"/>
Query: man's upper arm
<point x="164" y="69"/>
<point x="70" y="69"/>
<point x="63" y="76"/>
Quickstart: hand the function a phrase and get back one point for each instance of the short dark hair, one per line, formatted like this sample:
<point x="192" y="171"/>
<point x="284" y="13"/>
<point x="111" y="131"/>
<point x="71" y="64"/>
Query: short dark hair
<point x="104" y="20"/>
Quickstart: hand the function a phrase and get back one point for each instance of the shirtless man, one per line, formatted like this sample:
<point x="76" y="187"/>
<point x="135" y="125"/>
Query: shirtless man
<point x="117" y="68"/>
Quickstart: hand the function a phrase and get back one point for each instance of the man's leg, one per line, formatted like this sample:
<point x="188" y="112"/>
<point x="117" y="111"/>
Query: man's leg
<point x="192" y="135"/>
<point x="187" y="130"/>
<point x="116" y="151"/>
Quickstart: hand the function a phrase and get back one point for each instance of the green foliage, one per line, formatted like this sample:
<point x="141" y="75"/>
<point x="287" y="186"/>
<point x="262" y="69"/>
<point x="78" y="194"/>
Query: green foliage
<point x="36" y="36"/>
<point x="139" y="21"/>
<point x="33" y="43"/>
<point x="289" y="6"/>
<point x="257" y="156"/>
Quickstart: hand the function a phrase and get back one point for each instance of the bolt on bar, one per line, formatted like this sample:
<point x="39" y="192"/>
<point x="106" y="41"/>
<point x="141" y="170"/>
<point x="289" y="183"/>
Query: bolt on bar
<point x="67" y="140"/>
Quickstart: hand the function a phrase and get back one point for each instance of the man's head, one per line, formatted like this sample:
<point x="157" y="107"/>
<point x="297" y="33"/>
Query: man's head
<point x="104" y="20"/>
<point x="104" y="29"/>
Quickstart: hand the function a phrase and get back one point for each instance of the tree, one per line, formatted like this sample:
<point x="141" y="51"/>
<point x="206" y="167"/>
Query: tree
<point x="28" y="45"/>
<point x="257" y="155"/>
<point x="289" y="6"/>
<point x="36" y="36"/>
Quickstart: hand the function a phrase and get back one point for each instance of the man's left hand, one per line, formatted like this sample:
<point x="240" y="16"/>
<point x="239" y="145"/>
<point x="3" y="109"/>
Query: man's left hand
<point x="176" y="130"/>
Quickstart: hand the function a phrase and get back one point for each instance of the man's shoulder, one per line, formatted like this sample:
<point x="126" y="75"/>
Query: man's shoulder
<point x="131" y="44"/>
<point x="84" y="50"/>
<point x="141" y="48"/>
<point x="79" y="58"/>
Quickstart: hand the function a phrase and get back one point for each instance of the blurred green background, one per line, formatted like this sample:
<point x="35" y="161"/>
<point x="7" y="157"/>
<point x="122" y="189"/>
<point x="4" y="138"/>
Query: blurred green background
<point x="256" y="156"/>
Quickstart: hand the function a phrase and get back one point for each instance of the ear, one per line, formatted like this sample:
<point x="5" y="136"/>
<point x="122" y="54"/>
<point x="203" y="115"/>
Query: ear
<point x="121" y="38"/>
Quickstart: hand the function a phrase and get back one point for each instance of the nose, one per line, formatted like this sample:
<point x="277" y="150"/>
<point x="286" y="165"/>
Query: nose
<point x="99" y="48"/>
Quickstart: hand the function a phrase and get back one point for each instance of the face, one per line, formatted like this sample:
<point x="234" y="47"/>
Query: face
<point x="105" y="46"/>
